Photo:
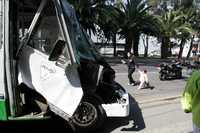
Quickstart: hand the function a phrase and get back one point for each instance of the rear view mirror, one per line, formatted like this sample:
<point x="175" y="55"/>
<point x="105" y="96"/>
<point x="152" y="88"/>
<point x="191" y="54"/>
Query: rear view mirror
<point x="57" y="50"/>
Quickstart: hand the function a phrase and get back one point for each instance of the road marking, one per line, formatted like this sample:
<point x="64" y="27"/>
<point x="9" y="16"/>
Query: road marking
<point x="160" y="99"/>
<point x="133" y="73"/>
<point x="152" y="72"/>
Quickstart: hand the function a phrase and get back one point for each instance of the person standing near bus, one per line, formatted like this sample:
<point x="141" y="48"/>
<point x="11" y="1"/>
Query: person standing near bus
<point x="131" y="69"/>
<point x="190" y="100"/>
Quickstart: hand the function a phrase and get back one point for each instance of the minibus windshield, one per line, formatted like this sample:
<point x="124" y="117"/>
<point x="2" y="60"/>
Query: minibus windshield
<point x="82" y="45"/>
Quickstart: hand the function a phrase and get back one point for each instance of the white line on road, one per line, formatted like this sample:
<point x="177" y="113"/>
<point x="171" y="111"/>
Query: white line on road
<point x="152" y="72"/>
<point x="135" y="72"/>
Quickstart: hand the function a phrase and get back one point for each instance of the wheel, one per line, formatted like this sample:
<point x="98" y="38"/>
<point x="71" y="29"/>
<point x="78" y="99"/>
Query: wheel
<point x="162" y="77"/>
<point x="90" y="115"/>
<point x="179" y="74"/>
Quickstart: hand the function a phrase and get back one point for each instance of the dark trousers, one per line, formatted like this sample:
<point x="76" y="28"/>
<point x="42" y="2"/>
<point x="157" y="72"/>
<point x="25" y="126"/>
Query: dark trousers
<point x="130" y="77"/>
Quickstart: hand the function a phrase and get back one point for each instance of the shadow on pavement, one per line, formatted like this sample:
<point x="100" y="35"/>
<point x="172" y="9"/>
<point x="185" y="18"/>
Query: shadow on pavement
<point x="184" y="78"/>
<point x="35" y="126"/>
<point x="134" y="122"/>
<point x="135" y="116"/>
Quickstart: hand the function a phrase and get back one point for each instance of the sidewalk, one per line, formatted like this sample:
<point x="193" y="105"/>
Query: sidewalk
<point x="148" y="63"/>
<point x="150" y="60"/>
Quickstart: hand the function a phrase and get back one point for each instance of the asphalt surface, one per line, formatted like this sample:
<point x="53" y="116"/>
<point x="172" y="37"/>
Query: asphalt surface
<point x="154" y="111"/>
<point x="162" y="89"/>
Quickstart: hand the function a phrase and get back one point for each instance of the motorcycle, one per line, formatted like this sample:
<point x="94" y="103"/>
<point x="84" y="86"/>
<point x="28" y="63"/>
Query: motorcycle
<point x="173" y="71"/>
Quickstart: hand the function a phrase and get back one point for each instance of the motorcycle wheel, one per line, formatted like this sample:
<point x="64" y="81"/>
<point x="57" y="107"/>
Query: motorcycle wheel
<point x="162" y="77"/>
<point x="179" y="74"/>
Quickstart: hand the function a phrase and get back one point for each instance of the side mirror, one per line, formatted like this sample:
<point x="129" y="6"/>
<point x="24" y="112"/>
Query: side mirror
<point x="57" y="50"/>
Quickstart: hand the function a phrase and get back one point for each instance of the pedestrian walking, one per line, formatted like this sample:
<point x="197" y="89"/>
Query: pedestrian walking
<point x="190" y="100"/>
<point x="131" y="69"/>
<point x="144" y="81"/>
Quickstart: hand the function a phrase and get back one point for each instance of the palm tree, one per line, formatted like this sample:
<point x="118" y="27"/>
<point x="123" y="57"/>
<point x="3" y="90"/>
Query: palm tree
<point x="93" y="12"/>
<point x="153" y="2"/>
<point x="109" y="24"/>
<point x="193" y="17"/>
<point x="134" y="19"/>
<point x="85" y="12"/>
<point x="171" y="25"/>
<point x="188" y="28"/>
<point x="98" y="17"/>
<point x="97" y="13"/>
<point x="187" y="3"/>
<point x="185" y="34"/>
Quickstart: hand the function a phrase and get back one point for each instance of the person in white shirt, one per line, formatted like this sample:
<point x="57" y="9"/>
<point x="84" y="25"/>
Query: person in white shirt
<point x="144" y="81"/>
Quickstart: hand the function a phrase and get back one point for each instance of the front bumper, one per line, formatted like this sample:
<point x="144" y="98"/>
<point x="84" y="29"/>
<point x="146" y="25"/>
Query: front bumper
<point x="118" y="109"/>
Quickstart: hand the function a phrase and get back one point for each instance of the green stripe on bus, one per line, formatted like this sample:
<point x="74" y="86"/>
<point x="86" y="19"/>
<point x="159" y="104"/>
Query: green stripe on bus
<point x="3" y="113"/>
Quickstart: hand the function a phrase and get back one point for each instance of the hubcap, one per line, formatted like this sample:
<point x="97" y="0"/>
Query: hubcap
<point x="86" y="114"/>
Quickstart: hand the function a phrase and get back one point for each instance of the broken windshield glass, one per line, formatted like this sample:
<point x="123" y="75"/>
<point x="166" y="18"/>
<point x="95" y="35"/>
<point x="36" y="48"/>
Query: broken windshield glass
<point x="81" y="44"/>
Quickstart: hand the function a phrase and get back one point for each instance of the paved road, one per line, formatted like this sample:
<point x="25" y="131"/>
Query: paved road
<point x="157" y="117"/>
<point x="163" y="89"/>
<point x="152" y="111"/>
<point x="157" y="110"/>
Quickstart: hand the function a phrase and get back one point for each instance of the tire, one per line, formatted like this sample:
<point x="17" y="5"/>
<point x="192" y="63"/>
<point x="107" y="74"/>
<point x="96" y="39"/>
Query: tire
<point x="162" y="77"/>
<point x="90" y="115"/>
<point x="179" y="74"/>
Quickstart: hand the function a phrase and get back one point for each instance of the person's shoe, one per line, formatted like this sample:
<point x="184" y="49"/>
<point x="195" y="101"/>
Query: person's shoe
<point x="130" y="83"/>
<point x="133" y="84"/>
<point x="151" y="87"/>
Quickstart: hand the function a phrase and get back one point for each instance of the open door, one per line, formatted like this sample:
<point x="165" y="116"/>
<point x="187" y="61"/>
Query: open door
<point x="45" y="64"/>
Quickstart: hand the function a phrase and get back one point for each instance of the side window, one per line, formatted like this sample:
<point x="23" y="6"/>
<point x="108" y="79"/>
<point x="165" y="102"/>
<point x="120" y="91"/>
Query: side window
<point x="47" y="30"/>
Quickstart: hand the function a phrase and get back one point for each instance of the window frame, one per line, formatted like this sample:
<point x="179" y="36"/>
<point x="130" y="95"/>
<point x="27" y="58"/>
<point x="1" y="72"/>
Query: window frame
<point x="62" y="29"/>
<point x="41" y="42"/>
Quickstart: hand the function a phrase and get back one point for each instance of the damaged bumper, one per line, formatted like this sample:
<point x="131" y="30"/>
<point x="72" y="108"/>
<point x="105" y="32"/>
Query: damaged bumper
<point x="118" y="109"/>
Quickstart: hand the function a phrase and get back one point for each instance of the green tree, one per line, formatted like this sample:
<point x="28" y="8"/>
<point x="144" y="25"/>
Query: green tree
<point x="135" y="19"/>
<point x="187" y="28"/>
<point x="193" y="17"/>
<point x="172" y="25"/>
<point x="99" y="17"/>
<point x="185" y="33"/>
<point x="97" y="14"/>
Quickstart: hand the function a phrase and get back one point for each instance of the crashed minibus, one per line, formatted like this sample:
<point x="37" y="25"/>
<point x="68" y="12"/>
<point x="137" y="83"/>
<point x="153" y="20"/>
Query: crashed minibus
<point x="49" y="66"/>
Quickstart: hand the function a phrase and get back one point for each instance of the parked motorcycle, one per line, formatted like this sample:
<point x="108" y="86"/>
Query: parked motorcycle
<point x="170" y="71"/>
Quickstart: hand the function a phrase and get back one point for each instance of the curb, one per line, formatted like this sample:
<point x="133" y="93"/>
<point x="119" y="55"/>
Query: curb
<point x="159" y="99"/>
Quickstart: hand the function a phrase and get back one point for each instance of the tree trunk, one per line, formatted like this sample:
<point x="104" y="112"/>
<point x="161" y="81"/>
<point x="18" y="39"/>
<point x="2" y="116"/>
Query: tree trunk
<point x="169" y="50"/>
<point x="128" y="44"/>
<point x="181" y="48"/>
<point x="136" y="38"/>
<point x="146" y="47"/>
<point x="191" y="45"/>
<point x="164" y="47"/>
<point x="114" y="45"/>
